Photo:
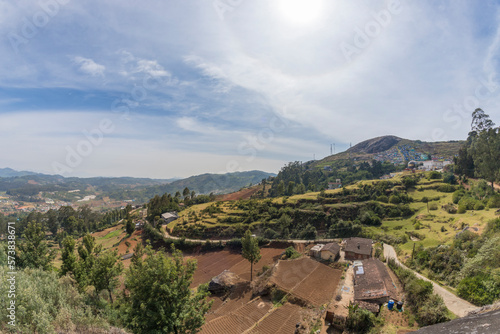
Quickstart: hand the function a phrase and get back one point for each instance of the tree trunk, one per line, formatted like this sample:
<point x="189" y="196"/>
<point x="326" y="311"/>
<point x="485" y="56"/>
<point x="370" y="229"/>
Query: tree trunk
<point x="251" y="270"/>
<point x="110" y="296"/>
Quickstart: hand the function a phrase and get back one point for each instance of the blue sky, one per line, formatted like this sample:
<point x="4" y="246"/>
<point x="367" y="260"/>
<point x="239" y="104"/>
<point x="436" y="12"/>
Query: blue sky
<point x="177" y="88"/>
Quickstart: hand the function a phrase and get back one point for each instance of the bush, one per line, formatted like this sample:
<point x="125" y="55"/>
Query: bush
<point x="432" y="311"/>
<point x="394" y="199"/>
<point x="494" y="202"/>
<point x="446" y="188"/>
<point x="360" y="320"/>
<point x="47" y="304"/>
<point x="433" y="206"/>
<point x="462" y="208"/>
<point x="479" y="290"/>
<point x="479" y="205"/>
<point x="383" y="199"/>
<point x="291" y="253"/>
<point x="435" y="175"/>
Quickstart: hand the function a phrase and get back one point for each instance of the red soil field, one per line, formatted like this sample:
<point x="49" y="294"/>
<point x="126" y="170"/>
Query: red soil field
<point x="242" y="194"/>
<point x="213" y="263"/>
<point x="238" y="320"/>
<point x="281" y="321"/>
<point x="307" y="279"/>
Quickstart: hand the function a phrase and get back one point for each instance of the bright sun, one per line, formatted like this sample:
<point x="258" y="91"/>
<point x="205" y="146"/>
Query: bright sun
<point x="300" y="11"/>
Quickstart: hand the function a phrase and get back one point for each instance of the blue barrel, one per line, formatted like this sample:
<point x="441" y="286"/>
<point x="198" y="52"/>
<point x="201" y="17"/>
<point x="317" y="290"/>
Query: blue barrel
<point x="390" y="304"/>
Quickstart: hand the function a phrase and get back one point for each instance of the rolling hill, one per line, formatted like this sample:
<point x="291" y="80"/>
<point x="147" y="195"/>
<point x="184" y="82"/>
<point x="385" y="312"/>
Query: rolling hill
<point x="395" y="149"/>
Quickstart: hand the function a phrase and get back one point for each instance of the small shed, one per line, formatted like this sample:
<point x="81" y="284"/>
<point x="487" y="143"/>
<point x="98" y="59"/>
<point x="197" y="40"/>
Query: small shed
<point x="316" y="250"/>
<point x="330" y="251"/>
<point x="169" y="217"/>
<point x="223" y="282"/>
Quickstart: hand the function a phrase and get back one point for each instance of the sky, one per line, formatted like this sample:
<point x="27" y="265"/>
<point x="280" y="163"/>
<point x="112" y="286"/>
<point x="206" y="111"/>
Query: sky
<point x="171" y="88"/>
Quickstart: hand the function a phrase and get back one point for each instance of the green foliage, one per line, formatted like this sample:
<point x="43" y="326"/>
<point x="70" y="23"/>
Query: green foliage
<point x="427" y="307"/>
<point x="446" y="188"/>
<point x="130" y="227"/>
<point x="68" y="256"/>
<point x="47" y="304"/>
<point x="33" y="251"/>
<point x="105" y="272"/>
<point x="479" y="290"/>
<point x="291" y="253"/>
<point x="161" y="300"/>
<point x="360" y="320"/>
<point x="250" y="250"/>
<point x="435" y="175"/>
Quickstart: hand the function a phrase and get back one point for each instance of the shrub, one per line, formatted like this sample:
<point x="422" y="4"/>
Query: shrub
<point x="494" y="201"/>
<point x="446" y="188"/>
<point x="479" y="290"/>
<point x="433" y="206"/>
<point x="47" y="304"/>
<point x="394" y="199"/>
<point x="360" y="320"/>
<point x="291" y="253"/>
<point x="383" y="199"/>
<point x="435" y="175"/>
<point x="462" y="208"/>
<point x="479" y="205"/>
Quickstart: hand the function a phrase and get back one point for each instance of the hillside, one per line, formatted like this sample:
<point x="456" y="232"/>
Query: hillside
<point x="9" y="172"/>
<point x="40" y="187"/>
<point x="396" y="150"/>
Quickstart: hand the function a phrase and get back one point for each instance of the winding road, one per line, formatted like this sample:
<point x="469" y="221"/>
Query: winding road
<point x="455" y="304"/>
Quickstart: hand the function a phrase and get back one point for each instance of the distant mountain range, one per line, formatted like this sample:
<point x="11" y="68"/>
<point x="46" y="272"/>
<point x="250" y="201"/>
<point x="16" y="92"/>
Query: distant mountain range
<point x="9" y="172"/>
<point x="28" y="184"/>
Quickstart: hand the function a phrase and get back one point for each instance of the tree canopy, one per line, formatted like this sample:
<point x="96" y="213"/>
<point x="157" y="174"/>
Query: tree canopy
<point x="160" y="299"/>
<point x="250" y="250"/>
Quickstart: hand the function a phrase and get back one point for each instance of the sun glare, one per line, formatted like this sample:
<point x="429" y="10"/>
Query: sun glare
<point x="300" y="11"/>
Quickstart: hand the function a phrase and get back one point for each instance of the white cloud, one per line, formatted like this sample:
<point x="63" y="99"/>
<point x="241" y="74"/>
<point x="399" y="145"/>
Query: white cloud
<point x="90" y="67"/>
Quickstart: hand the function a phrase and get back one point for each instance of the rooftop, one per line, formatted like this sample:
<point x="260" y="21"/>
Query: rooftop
<point x="332" y="247"/>
<point x="359" y="246"/>
<point x="372" y="280"/>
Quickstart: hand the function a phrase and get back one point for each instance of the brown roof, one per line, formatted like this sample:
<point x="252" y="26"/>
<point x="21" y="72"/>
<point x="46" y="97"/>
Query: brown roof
<point x="372" y="281"/>
<point x="359" y="246"/>
<point x="332" y="247"/>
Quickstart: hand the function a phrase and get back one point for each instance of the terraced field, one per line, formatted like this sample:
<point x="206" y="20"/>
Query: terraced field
<point x="307" y="279"/>
<point x="281" y="321"/>
<point x="212" y="264"/>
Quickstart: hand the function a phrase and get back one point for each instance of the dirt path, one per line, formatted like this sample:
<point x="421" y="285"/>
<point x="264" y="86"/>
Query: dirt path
<point x="455" y="304"/>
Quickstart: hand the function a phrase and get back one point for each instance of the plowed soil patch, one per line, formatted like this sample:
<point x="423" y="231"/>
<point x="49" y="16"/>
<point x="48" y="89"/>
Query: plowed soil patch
<point x="242" y="194"/>
<point x="281" y="321"/>
<point x="212" y="264"/>
<point x="308" y="280"/>
<point x="239" y="319"/>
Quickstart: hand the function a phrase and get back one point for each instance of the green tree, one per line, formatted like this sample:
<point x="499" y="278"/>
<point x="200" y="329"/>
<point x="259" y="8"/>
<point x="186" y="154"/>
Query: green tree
<point x="33" y="251"/>
<point x="130" y="227"/>
<point x="481" y="121"/>
<point x="68" y="256"/>
<point x="161" y="300"/>
<point x="185" y="192"/>
<point x="87" y="252"/>
<point x="250" y="250"/>
<point x="105" y="272"/>
<point x="486" y="155"/>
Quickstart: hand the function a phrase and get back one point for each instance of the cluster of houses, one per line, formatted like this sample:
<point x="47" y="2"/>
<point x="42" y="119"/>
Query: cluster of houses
<point x="371" y="281"/>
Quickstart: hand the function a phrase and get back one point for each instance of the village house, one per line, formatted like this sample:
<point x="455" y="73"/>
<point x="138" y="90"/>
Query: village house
<point x="169" y="217"/>
<point x="357" y="248"/>
<point x="330" y="251"/>
<point x="373" y="285"/>
<point x="335" y="185"/>
<point x="315" y="251"/>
